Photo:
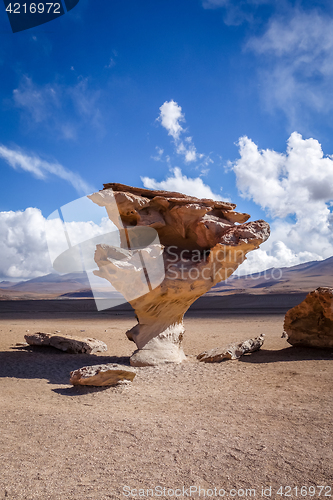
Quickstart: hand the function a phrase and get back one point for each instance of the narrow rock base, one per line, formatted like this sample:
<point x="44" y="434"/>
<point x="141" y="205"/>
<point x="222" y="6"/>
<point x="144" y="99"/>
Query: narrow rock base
<point x="166" y="347"/>
<point x="158" y="351"/>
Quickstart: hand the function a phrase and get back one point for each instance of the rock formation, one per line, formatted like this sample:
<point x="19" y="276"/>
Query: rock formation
<point x="102" y="375"/>
<point x="200" y="242"/>
<point x="232" y="351"/>
<point x="310" y="324"/>
<point x="67" y="343"/>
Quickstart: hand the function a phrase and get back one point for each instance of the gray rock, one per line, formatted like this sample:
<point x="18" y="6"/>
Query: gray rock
<point x="232" y="351"/>
<point x="66" y="343"/>
<point x="102" y="375"/>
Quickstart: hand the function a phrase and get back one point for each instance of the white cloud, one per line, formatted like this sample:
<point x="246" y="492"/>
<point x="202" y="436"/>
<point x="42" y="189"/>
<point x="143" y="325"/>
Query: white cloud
<point x="41" y="168"/>
<point x="295" y="55"/>
<point x="171" y="117"/>
<point x="179" y="182"/>
<point x="62" y="109"/>
<point x="294" y="36"/>
<point x="23" y="247"/>
<point x="299" y="181"/>
<point x="296" y="52"/>
<point x="296" y="189"/>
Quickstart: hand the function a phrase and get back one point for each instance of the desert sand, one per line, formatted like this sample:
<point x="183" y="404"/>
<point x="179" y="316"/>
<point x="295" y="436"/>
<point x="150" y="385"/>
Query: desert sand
<point x="258" y="422"/>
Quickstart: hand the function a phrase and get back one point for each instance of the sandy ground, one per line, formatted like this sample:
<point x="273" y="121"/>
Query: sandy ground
<point x="263" y="421"/>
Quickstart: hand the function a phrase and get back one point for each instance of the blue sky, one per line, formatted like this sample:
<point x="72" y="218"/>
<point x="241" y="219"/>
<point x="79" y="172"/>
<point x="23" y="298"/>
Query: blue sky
<point x="81" y="104"/>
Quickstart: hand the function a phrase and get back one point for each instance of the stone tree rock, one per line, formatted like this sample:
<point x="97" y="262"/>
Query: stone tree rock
<point x="201" y="242"/>
<point x="310" y="324"/>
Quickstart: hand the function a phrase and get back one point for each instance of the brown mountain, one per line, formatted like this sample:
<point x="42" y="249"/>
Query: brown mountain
<point x="301" y="278"/>
<point x="50" y="286"/>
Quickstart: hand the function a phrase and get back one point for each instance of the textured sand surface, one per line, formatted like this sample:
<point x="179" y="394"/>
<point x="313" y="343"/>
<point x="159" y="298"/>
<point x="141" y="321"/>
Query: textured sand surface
<point x="265" y="420"/>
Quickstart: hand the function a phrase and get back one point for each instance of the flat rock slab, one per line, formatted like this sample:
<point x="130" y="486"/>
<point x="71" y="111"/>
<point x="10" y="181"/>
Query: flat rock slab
<point x="102" y="375"/>
<point x="310" y="324"/>
<point x="232" y="351"/>
<point x="67" y="343"/>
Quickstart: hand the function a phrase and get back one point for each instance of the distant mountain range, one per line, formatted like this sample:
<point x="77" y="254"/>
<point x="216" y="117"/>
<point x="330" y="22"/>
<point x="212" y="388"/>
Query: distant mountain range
<point x="50" y="286"/>
<point x="301" y="278"/>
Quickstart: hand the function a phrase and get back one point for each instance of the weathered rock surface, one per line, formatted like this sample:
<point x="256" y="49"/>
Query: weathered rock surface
<point x="67" y="343"/>
<point x="102" y="375"/>
<point x="232" y="351"/>
<point x="200" y="242"/>
<point x="310" y="324"/>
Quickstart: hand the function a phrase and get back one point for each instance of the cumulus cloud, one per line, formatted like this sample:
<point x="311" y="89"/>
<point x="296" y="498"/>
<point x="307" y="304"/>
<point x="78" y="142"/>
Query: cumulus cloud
<point x="23" y="246"/>
<point x="41" y="168"/>
<point x="63" y="109"/>
<point x="296" y="189"/>
<point x="23" y="243"/>
<point x="179" y="182"/>
<point x="296" y="52"/>
<point x="299" y="181"/>
<point x="171" y="117"/>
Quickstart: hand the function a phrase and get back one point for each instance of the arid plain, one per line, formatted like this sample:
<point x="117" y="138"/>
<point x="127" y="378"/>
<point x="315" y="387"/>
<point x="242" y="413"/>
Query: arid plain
<point x="262" y="421"/>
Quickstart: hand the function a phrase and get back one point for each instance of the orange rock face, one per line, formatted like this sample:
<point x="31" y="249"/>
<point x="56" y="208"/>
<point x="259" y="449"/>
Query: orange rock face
<point x="310" y="324"/>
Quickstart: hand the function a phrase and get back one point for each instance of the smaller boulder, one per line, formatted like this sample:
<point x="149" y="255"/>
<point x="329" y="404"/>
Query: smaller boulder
<point x="310" y="324"/>
<point x="102" y="375"/>
<point x="232" y="351"/>
<point x="67" y="343"/>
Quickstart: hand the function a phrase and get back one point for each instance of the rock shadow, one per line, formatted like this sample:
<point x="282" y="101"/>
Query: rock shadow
<point x="287" y="354"/>
<point x="49" y="363"/>
<point x="81" y="390"/>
